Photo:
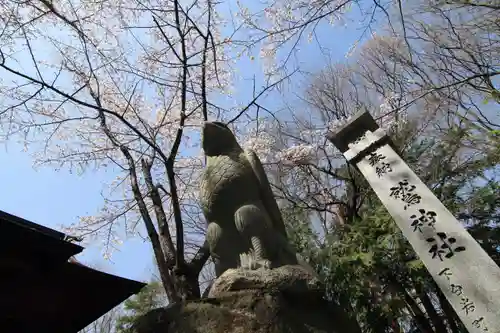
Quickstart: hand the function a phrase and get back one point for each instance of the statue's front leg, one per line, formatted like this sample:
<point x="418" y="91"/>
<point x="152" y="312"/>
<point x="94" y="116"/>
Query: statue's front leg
<point x="218" y="250"/>
<point x="250" y="221"/>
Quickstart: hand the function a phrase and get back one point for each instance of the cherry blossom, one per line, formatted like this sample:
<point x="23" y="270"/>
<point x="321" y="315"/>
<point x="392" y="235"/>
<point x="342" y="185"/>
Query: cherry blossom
<point x="337" y="124"/>
<point x="300" y="154"/>
<point x="278" y="25"/>
<point x="262" y="144"/>
<point x="96" y="55"/>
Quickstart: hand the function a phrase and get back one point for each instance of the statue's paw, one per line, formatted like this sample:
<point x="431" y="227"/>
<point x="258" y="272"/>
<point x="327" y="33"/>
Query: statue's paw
<point x="246" y="260"/>
<point x="251" y="262"/>
<point x="263" y="263"/>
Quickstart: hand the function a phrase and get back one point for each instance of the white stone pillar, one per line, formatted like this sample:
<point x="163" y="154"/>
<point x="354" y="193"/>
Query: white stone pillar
<point x="468" y="277"/>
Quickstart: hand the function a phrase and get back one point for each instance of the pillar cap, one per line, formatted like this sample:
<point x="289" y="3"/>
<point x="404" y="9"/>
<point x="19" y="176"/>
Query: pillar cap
<point x="357" y="125"/>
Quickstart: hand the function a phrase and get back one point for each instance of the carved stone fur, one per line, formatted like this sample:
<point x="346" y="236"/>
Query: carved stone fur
<point x="238" y="203"/>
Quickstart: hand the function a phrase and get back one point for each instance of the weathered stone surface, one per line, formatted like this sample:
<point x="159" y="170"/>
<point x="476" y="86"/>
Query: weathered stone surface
<point x="246" y="311"/>
<point x="292" y="279"/>
<point x="239" y="221"/>
<point x="465" y="273"/>
<point x="287" y="299"/>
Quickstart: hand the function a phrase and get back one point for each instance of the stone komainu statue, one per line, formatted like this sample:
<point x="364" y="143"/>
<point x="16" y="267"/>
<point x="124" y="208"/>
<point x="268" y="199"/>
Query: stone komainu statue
<point x="245" y="226"/>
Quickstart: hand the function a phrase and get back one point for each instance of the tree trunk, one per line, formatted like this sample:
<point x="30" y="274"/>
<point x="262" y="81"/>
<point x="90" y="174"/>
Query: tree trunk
<point x="396" y="328"/>
<point x="418" y="314"/>
<point x="436" y="320"/>
<point x="348" y="315"/>
<point x="420" y="319"/>
<point x="451" y="317"/>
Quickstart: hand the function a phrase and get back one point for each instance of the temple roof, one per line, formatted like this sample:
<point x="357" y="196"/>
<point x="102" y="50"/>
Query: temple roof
<point x="41" y="291"/>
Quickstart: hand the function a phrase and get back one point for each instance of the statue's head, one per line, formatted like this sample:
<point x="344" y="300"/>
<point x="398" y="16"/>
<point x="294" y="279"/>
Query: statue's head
<point x="217" y="138"/>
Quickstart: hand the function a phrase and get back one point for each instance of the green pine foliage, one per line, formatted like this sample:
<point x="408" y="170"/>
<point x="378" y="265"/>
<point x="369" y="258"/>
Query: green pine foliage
<point x="369" y="268"/>
<point x="151" y="297"/>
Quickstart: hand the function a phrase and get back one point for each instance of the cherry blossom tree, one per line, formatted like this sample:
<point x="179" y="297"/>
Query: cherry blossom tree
<point x="123" y="86"/>
<point x="440" y="121"/>
<point x="385" y="77"/>
<point x="444" y="46"/>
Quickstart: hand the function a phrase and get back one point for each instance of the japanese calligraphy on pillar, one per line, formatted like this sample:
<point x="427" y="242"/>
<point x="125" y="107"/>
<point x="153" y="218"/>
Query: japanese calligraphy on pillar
<point x="467" y="306"/>
<point x="441" y="246"/>
<point x="467" y="276"/>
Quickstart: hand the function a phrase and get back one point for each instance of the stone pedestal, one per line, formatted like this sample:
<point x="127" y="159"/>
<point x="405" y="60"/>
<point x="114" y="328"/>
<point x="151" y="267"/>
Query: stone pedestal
<point x="285" y="299"/>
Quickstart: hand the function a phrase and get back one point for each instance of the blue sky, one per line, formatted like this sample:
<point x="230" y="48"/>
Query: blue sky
<point x="52" y="198"/>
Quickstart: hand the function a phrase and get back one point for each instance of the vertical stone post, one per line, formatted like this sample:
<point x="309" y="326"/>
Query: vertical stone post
<point x="468" y="277"/>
